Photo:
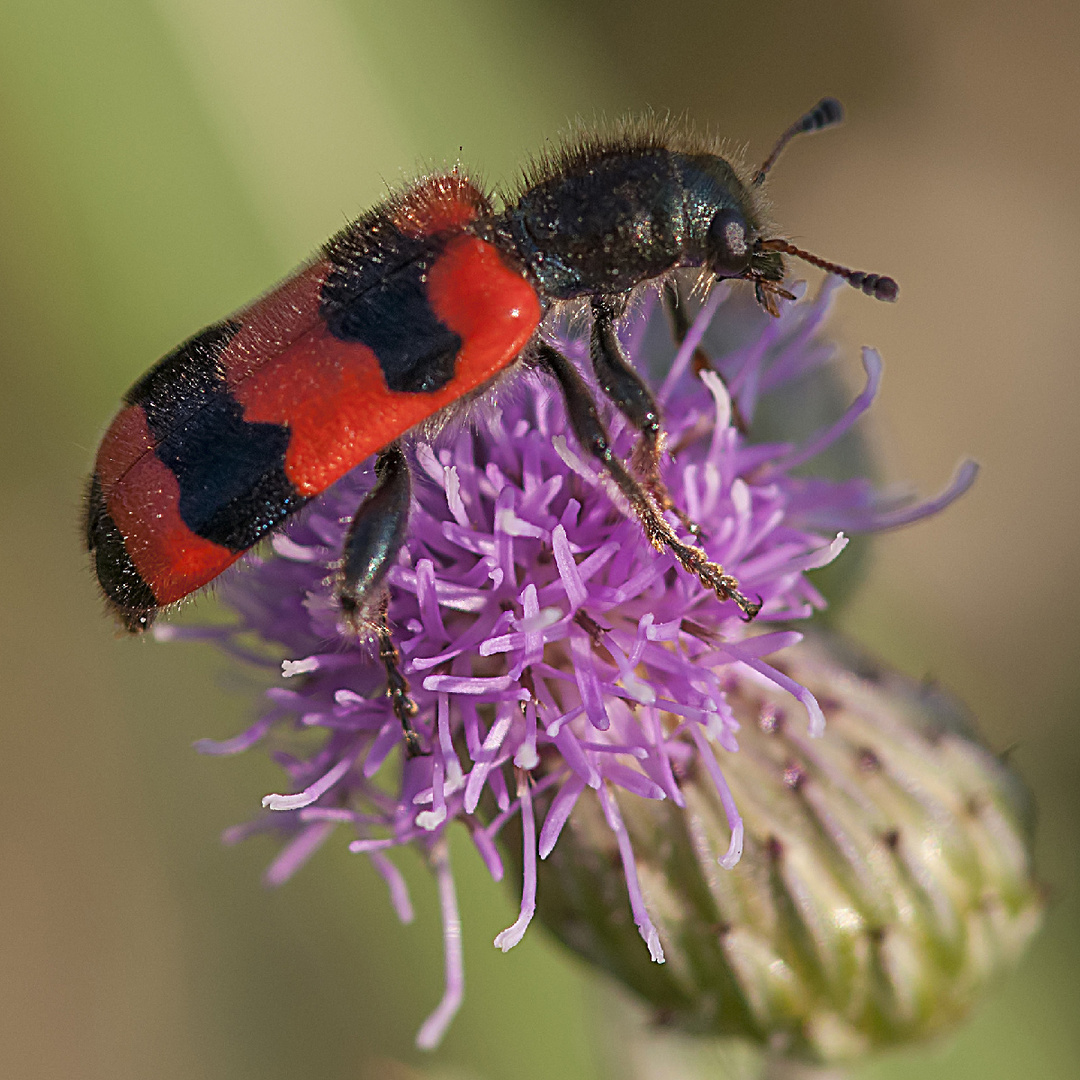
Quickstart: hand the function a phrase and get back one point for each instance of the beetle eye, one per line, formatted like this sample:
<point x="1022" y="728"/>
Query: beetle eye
<point x="729" y="246"/>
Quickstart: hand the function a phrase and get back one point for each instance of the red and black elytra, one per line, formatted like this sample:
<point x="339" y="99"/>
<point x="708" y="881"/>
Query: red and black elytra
<point x="422" y="302"/>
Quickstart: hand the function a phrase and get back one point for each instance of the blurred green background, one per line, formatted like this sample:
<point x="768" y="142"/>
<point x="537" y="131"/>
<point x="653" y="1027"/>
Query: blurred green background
<point x="162" y="161"/>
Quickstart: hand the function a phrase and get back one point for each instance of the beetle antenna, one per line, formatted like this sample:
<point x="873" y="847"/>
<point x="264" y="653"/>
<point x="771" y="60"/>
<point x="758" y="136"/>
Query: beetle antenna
<point x="825" y="113"/>
<point x="876" y="285"/>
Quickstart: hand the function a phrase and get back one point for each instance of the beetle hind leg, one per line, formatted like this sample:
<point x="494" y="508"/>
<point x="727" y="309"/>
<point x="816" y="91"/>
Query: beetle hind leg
<point x="374" y="538"/>
<point x="397" y="688"/>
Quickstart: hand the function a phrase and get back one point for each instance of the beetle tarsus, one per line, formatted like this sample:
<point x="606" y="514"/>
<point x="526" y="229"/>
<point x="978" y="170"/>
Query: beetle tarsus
<point x="397" y="687"/>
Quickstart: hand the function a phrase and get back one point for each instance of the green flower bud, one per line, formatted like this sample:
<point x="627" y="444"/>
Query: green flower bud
<point x="886" y="876"/>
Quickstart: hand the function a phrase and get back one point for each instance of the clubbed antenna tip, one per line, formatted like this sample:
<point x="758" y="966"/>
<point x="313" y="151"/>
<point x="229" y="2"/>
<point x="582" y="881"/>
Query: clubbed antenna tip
<point x="878" y="286"/>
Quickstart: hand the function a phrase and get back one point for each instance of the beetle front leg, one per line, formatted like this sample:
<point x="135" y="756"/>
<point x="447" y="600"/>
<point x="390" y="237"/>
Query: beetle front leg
<point x="675" y="305"/>
<point x="594" y="440"/>
<point x="625" y="387"/>
<point x="375" y="536"/>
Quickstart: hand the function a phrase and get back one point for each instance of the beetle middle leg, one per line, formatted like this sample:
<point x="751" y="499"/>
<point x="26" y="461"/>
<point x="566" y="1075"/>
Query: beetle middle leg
<point x="374" y="538"/>
<point x="592" y="435"/>
<point x="625" y="387"/>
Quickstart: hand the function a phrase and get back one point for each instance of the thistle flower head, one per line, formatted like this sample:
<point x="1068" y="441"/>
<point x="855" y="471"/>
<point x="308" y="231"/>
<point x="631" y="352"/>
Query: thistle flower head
<point x="556" y="657"/>
<point x="886" y="879"/>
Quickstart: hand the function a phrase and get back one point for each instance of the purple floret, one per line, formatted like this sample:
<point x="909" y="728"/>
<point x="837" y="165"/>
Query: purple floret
<point x="549" y="647"/>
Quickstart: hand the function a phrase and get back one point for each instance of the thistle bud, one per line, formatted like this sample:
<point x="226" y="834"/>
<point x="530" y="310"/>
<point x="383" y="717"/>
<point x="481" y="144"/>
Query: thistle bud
<point x="885" y="878"/>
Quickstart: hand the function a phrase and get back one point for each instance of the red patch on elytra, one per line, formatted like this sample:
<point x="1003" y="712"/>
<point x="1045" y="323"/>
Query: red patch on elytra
<point x="438" y="204"/>
<point x="143" y="499"/>
<point x="127" y="440"/>
<point x="275" y="323"/>
<point x="333" y="396"/>
<point x="328" y="392"/>
<point x="490" y="306"/>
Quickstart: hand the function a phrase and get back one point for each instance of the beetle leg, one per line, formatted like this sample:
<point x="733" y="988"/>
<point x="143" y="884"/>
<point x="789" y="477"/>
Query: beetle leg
<point x="675" y="305"/>
<point x="371" y="544"/>
<point x="622" y="384"/>
<point x="591" y="434"/>
<point x="397" y="687"/>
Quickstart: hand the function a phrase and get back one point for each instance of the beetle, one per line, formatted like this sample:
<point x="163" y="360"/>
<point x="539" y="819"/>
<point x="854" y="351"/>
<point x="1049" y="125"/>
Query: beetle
<point x="418" y="305"/>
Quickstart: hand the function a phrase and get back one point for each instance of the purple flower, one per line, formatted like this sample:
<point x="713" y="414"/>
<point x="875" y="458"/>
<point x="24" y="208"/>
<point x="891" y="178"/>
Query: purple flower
<point x="549" y="647"/>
